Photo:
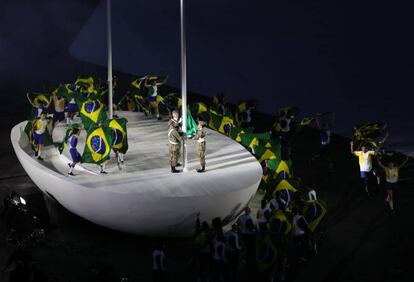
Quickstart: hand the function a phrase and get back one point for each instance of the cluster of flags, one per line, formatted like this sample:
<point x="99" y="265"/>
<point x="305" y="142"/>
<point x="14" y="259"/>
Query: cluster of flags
<point x="103" y="134"/>
<point x="368" y="134"/>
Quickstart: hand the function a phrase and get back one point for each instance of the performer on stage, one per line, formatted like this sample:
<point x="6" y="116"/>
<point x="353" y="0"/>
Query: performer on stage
<point x="175" y="140"/>
<point x="72" y="110"/>
<point x="39" y="129"/>
<point x="38" y="107"/>
<point x="59" y="107"/>
<point x="152" y="95"/>
<point x="201" y="145"/>
<point x="76" y="157"/>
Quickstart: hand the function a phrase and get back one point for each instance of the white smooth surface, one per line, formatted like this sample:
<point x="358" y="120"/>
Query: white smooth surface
<point x="145" y="197"/>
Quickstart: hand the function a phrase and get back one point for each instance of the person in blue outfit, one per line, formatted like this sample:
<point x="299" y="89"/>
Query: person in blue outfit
<point x="73" y="143"/>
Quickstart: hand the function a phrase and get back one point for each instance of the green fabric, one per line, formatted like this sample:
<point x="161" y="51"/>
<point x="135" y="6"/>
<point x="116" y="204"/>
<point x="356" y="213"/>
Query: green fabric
<point x="192" y="126"/>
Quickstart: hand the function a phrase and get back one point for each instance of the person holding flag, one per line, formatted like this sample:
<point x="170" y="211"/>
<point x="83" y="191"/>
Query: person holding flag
<point x="391" y="180"/>
<point x="365" y="163"/>
<point x="201" y="145"/>
<point x="59" y="107"/>
<point x="39" y="104"/>
<point x="175" y="140"/>
<point x="76" y="157"/>
<point x="39" y="129"/>
<point x="152" y="95"/>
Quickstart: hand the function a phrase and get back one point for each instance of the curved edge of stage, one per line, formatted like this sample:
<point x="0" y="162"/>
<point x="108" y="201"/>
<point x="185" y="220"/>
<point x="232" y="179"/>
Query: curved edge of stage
<point x="151" y="213"/>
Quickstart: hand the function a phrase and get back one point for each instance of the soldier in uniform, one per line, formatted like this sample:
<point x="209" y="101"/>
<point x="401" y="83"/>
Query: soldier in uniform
<point x="201" y="145"/>
<point x="175" y="140"/>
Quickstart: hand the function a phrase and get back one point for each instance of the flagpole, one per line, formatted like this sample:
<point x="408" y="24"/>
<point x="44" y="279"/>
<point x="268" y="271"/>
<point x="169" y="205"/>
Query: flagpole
<point x="183" y="83"/>
<point x="109" y="38"/>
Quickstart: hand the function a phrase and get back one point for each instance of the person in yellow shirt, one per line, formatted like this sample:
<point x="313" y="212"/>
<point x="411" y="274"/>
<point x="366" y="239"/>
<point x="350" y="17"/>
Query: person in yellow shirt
<point x="365" y="163"/>
<point x="391" y="180"/>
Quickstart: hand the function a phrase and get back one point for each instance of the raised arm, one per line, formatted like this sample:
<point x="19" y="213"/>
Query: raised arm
<point x="382" y="141"/>
<point x="352" y="147"/>
<point x="30" y="101"/>
<point x="404" y="162"/>
<point x="381" y="164"/>
<point x="317" y="122"/>
<point x="146" y="83"/>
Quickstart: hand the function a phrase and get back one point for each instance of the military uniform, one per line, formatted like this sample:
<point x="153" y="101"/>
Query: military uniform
<point x="175" y="140"/>
<point x="201" y="146"/>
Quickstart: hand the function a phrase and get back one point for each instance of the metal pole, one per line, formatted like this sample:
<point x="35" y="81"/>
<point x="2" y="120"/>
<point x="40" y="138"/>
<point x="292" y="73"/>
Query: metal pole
<point x="183" y="83"/>
<point x="109" y="38"/>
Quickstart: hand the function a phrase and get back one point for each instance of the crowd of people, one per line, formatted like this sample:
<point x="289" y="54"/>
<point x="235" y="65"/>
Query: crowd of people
<point x="265" y="246"/>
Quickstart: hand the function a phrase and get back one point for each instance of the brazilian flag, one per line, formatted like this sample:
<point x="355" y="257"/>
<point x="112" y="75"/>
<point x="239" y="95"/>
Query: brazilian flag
<point x="137" y="85"/>
<point x="371" y="130"/>
<point x="218" y="122"/>
<point x="173" y="101"/>
<point x="279" y="223"/>
<point x="249" y="141"/>
<point x="390" y="155"/>
<point x="290" y="111"/>
<point x="278" y="165"/>
<point x="157" y="78"/>
<point x="236" y="133"/>
<point x="119" y="134"/>
<point x="267" y="150"/>
<point x="98" y="144"/>
<point x="92" y="112"/>
<point x="198" y="108"/>
<point x="61" y="146"/>
<point x="39" y="98"/>
<point x="68" y="91"/>
<point x="28" y="129"/>
<point x="314" y="212"/>
<point x="85" y="84"/>
<point x="192" y="126"/>
<point x="286" y="185"/>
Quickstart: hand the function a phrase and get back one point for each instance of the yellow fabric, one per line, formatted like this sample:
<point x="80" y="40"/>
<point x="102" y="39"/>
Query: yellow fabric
<point x="387" y="173"/>
<point x="268" y="155"/>
<point x="361" y="157"/>
<point x="282" y="167"/>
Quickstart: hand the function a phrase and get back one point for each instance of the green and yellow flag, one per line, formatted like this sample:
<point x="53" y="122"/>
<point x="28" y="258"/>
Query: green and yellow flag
<point x="280" y="165"/>
<point x="218" y="122"/>
<point x="119" y="134"/>
<point x="85" y="84"/>
<point x="98" y="144"/>
<point x="92" y="112"/>
<point x="314" y="212"/>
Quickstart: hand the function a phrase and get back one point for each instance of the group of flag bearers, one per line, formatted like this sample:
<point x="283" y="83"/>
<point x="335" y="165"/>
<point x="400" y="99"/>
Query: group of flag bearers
<point x="376" y="162"/>
<point x="84" y="97"/>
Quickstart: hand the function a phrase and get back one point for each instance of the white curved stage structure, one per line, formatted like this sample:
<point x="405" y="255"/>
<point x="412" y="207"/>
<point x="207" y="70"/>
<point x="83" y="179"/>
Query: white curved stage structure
<point x="145" y="197"/>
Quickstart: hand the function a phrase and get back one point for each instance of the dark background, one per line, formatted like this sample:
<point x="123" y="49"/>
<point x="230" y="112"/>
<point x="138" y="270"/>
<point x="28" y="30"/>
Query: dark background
<point x="352" y="57"/>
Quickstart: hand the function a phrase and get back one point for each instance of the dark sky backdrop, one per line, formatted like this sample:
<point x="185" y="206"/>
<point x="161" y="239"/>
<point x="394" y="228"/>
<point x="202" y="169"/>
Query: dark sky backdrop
<point x="353" y="57"/>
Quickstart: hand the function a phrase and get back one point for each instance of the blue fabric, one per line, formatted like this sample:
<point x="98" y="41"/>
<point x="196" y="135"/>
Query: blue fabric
<point x="38" y="138"/>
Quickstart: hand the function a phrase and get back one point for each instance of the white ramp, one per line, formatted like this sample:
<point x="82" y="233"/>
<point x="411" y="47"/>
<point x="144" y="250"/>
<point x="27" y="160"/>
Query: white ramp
<point x="145" y="197"/>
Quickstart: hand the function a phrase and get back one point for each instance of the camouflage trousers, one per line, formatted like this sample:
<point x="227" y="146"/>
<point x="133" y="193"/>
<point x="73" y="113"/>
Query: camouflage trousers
<point x="174" y="154"/>
<point x="201" y="153"/>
